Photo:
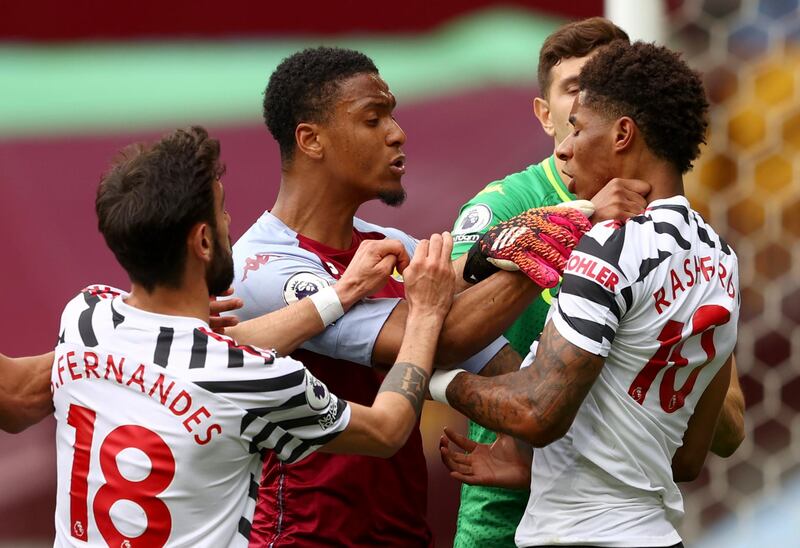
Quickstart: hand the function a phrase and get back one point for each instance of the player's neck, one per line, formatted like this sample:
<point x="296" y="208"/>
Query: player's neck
<point x="316" y="210"/>
<point x="664" y="180"/>
<point x="185" y="302"/>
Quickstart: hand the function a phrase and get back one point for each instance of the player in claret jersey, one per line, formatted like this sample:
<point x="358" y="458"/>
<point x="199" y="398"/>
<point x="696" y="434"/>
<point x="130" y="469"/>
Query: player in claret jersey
<point x="162" y="424"/>
<point x="626" y="385"/>
<point x="332" y="116"/>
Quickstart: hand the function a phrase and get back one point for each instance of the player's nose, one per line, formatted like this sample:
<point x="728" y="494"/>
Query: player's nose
<point x="564" y="149"/>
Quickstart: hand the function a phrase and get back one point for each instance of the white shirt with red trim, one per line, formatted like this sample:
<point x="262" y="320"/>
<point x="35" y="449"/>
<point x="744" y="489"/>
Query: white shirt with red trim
<point x="658" y="298"/>
<point x="162" y="425"/>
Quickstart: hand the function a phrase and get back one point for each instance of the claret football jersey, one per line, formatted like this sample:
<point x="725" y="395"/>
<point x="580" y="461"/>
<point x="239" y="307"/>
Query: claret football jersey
<point x="162" y="426"/>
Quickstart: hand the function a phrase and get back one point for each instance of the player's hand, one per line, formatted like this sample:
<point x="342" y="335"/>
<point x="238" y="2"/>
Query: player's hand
<point x="501" y="464"/>
<point x="538" y="242"/>
<point x="218" y="323"/>
<point x="429" y="278"/>
<point x="620" y="200"/>
<point x="370" y="268"/>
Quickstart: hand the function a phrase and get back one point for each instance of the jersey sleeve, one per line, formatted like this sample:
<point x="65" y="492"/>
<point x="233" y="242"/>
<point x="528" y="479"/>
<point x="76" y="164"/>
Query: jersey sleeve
<point x="595" y="292"/>
<point x="287" y="279"/>
<point x="286" y="409"/>
<point x="76" y="319"/>
<point x="478" y="215"/>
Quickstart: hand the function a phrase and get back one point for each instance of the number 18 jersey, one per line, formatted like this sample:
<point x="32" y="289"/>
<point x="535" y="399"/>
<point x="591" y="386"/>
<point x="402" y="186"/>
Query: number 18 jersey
<point x="162" y="425"/>
<point x="658" y="298"/>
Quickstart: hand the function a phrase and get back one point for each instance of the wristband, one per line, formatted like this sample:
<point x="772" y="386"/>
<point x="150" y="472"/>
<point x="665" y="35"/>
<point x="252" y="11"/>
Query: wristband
<point x="439" y="382"/>
<point x="328" y="305"/>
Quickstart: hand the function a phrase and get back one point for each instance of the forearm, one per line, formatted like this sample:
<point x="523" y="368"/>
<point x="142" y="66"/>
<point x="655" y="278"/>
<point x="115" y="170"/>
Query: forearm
<point x="381" y="430"/>
<point x="458" y="268"/>
<point x="505" y="361"/>
<point x="287" y="328"/>
<point x="482" y="313"/>
<point x="537" y="403"/>
<point x="687" y="462"/>
<point x="729" y="432"/>
<point x="25" y="396"/>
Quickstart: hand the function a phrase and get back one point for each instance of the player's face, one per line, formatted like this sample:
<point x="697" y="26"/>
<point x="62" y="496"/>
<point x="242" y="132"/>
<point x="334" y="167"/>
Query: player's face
<point x="562" y="93"/>
<point x="363" y="141"/>
<point x="587" y="152"/>
<point x="219" y="273"/>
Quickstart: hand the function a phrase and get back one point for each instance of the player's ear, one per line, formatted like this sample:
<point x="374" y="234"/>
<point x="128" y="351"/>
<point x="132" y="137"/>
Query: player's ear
<point x="200" y="241"/>
<point x="625" y="131"/>
<point x="541" y="108"/>
<point x="307" y="138"/>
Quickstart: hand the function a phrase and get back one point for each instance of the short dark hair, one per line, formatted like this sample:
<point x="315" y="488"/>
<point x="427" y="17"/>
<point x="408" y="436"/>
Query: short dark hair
<point x="575" y="39"/>
<point x="152" y="197"/>
<point x="304" y="87"/>
<point x="657" y="89"/>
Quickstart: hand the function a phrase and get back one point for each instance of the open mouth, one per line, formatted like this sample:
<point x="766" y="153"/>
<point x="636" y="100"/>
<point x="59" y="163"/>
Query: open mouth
<point x="398" y="166"/>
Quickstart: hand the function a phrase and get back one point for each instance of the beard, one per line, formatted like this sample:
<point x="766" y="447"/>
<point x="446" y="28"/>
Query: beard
<point x="219" y="274"/>
<point x="392" y="198"/>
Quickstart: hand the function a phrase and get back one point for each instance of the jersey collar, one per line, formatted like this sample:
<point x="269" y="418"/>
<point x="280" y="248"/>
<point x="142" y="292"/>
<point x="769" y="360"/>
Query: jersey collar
<point x="554" y="178"/>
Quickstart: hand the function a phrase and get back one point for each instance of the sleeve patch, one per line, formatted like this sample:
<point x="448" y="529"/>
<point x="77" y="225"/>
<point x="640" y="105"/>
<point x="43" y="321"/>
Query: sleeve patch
<point x="473" y="219"/>
<point x="302" y="284"/>
<point x="317" y="394"/>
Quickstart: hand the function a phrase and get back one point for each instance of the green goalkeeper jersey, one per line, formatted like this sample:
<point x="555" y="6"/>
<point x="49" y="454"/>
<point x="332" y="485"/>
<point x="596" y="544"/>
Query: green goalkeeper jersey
<point x="488" y="516"/>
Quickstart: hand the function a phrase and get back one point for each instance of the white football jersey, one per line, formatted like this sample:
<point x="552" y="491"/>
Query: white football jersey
<point x="658" y="297"/>
<point x="162" y="425"/>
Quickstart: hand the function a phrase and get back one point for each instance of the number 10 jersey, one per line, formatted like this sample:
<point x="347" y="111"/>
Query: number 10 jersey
<point x="162" y="425"/>
<point x="658" y="298"/>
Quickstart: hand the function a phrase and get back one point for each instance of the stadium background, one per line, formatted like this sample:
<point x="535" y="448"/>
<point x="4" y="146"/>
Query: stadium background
<point x="80" y="80"/>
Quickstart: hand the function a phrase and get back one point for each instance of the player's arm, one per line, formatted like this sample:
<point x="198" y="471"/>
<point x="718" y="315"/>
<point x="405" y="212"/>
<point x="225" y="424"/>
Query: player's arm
<point x="729" y="433"/>
<point x="536" y="242"/>
<point x="287" y="328"/>
<point x="689" y="458"/>
<point x="25" y="396"/>
<point x="478" y="316"/>
<point x="538" y="403"/>
<point x="380" y="430"/>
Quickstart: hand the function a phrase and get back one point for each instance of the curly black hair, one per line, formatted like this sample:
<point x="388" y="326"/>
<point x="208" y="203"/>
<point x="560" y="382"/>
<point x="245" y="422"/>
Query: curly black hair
<point x="152" y="197"/>
<point x="304" y="87"/>
<point x="657" y="89"/>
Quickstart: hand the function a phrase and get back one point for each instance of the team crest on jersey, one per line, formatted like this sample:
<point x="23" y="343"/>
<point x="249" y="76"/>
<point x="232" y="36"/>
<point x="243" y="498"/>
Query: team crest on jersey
<point x="317" y="393"/>
<point x="473" y="219"/>
<point x="301" y="285"/>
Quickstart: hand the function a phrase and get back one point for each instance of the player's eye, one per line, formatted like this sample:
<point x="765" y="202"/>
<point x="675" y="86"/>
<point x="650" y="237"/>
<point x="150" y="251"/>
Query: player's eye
<point x="373" y="122"/>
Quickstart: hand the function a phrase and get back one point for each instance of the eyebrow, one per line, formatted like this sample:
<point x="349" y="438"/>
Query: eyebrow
<point x="566" y="82"/>
<point x="379" y="102"/>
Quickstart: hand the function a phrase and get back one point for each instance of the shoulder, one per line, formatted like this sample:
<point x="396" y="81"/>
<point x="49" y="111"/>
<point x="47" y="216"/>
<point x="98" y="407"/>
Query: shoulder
<point x="91" y="295"/>
<point x="506" y="197"/>
<point x="88" y="299"/>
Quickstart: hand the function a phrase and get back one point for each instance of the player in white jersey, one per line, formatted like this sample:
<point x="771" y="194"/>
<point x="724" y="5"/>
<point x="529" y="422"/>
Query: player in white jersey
<point x="162" y="423"/>
<point x="625" y="387"/>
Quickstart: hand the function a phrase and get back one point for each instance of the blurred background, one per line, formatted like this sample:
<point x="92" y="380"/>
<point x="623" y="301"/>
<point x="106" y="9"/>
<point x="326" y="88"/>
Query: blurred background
<point x="80" y="80"/>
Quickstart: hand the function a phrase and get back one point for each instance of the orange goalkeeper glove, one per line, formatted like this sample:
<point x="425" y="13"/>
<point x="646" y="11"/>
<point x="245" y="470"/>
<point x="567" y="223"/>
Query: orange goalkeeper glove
<point x="538" y="242"/>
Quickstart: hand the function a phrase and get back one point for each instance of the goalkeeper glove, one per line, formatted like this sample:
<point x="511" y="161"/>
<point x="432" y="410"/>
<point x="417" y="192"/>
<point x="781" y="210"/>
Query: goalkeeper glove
<point x="538" y="242"/>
